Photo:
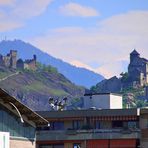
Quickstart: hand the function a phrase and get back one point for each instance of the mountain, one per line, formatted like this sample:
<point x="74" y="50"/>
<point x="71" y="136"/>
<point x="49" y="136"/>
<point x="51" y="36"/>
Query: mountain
<point x="108" y="85"/>
<point x="33" y="88"/>
<point x="79" y="76"/>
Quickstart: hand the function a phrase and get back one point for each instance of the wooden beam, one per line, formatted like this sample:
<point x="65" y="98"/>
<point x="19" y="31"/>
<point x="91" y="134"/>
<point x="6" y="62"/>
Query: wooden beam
<point x="33" y="118"/>
<point x="25" y="112"/>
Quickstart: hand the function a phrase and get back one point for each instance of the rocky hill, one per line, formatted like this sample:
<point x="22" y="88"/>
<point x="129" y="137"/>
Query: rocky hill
<point x="133" y="85"/>
<point x="79" y="76"/>
<point x="108" y="85"/>
<point x="34" y="88"/>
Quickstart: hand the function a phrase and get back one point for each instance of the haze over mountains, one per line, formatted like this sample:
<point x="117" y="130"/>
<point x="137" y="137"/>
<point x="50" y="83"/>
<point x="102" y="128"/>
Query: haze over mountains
<point x="79" y="76"/>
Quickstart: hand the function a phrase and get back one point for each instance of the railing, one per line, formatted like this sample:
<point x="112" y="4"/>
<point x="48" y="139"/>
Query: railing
<point x="89" y="134"/>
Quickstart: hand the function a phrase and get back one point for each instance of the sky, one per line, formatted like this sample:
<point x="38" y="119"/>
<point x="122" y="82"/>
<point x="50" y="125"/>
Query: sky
<point x="95" y="34"/>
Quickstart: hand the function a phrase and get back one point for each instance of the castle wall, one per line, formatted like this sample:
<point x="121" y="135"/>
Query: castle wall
<point x="20" y="64"/>
<point x="6" y="61"/>
<point x="10" y="60"/>
<point x="13" y="58"/>
<point x="1" y="60"/>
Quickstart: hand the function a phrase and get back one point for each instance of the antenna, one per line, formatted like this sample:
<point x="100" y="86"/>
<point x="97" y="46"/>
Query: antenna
<point x="58" y="105"/>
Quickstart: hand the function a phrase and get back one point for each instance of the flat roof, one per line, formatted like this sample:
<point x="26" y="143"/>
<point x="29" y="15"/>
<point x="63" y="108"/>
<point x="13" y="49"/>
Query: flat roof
<point x="23" y="109"/>
<point x="106" y="93"/>
<point x="88" y="113"/>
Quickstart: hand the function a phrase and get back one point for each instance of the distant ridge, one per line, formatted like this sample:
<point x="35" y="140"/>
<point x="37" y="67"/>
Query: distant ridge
<point x="79" y="76"/>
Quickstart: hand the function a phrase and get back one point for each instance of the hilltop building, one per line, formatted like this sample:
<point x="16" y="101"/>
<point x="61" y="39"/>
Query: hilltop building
<point x="138" y="69"/>
<point x="30" y="63"/>
<point x="27" y="64"/>
<point x="10" y="61"/>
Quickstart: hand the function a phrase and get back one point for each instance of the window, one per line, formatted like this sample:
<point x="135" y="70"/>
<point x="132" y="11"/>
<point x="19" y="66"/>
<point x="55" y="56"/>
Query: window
<point x="117" y="124"/>
<point x="132" y="124"/>
<point x="76" y="145"/>
<point x="97" y="125"/>
<point x="57" y="125"/>
<point x="76" y="124"/>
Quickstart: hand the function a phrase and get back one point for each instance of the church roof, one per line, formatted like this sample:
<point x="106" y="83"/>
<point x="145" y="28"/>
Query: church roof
<point x="134" y="52"/>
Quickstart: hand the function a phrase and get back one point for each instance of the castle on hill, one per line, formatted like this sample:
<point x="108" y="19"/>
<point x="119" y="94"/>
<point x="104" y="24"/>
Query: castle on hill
<point x="10" y="61"/>
<point x="138" y="69"/>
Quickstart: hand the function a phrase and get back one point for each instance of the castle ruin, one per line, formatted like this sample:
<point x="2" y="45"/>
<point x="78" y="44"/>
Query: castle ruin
<point x="138" y="69"/>
<point x="10" y="61"/>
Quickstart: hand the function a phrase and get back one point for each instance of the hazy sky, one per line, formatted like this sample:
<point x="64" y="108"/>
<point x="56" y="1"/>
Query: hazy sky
<point x="96" y="34"/>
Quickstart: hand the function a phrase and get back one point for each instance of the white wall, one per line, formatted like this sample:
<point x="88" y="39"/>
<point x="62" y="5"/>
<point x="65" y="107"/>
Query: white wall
<point x="115" y="102"/>
<point x="4" y="140"/>
<point x="103" y="101"/>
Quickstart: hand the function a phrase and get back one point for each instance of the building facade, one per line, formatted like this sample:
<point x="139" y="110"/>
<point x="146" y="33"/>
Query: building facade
<point x="144" y="128"/>
<point x="112" y="128"/>
<point x="17" y="123"/>
<point x="103" y="101"/>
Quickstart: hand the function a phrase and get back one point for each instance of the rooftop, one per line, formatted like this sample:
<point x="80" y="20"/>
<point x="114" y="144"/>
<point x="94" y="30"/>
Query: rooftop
<point x="134" y="52"/>
<point x="88" y="113"/>
<point x="24" y="110"/>
<point x="106" y="93"/>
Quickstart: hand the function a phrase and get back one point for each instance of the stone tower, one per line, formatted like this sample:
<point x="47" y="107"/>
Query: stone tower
<point x="1" y="60"/>
<point x="134" y="68"/>
<point x="134" y="56"/>
<point x="13" y="58"/>
<point x="138" y="69"/>
<point x="35" y="58"/>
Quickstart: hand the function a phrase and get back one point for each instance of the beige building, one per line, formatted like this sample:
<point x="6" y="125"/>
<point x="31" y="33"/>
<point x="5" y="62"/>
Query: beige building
<point x="106" y="128"/>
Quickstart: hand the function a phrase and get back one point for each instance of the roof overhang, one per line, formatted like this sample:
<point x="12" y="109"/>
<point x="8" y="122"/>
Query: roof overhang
<point x="30" y="115"/>
<point x="78" y="114"/>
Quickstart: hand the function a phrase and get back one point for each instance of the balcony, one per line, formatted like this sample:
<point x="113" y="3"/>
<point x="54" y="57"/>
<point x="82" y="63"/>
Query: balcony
<point x="144" y="133"/>
<point x="88" y="134"/>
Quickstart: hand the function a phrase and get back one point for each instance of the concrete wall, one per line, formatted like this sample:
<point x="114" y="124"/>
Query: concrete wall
<point x="144" y="144"/>
<point x="144" y="131"/>
<point x="14" y="143"/>
<point x="103" y="101"/>
<point x="115" y="102"/>
<point x="98" y="101"/>
<point x="88" y="102"/>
